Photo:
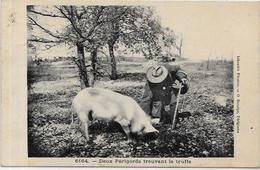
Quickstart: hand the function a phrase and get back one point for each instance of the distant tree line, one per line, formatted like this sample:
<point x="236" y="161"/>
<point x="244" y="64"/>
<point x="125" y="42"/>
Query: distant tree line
<point x="91" y="28"/>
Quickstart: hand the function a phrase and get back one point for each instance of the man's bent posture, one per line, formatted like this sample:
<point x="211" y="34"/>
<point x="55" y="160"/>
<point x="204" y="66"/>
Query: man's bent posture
<point x="160" y="93"/>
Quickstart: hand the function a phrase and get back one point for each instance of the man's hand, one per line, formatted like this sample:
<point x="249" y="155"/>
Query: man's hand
<point x="177" y="84"/>
<point x="184" y="81"/>
<point x="167" y="108"/>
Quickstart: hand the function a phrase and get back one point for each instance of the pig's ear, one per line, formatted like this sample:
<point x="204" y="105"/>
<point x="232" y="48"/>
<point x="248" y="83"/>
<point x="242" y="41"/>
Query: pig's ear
<point x="135" y="126"/>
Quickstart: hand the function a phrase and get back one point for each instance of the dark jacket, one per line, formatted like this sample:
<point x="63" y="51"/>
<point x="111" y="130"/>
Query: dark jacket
<point x="156" y="97"/>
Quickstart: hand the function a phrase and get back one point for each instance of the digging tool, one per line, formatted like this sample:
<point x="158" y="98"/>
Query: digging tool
<point x="176" y="107"/>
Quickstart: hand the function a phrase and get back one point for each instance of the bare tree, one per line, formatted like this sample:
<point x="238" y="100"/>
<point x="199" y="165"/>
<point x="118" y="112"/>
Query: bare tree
<point x="179" y="47"/>
<point x="90" y="27"/>
<point x="81" y="25"/>
<point x="108" y="32"/>
<point x="123" y="24"/>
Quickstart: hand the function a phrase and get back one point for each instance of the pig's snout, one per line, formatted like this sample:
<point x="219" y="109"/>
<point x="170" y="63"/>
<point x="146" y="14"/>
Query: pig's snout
<point x="149" y="128"/>
<point x="146" y="136"/>
<point x="151" y="136"/>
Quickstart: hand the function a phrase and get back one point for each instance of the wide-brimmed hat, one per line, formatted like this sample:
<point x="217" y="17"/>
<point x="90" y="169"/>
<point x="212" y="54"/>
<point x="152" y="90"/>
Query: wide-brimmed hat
<point x="156" y="74"/>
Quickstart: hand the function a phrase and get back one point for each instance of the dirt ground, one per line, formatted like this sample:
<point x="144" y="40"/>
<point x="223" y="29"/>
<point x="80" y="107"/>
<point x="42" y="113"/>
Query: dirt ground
<point x="207" y="133"/>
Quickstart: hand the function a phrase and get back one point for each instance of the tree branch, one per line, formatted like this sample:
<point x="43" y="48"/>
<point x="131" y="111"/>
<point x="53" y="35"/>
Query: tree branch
<point x="71" y="20"/>
<point x="119" y="16"/>
<point x="96" y="23"/>
<point x="42" y="40"/>
<point x="46" y="14"/>
<point x="78" y="15"/>
<point x="44" y="29"/>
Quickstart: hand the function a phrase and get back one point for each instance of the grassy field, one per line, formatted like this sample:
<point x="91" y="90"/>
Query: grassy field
<point x="207" y="133"/>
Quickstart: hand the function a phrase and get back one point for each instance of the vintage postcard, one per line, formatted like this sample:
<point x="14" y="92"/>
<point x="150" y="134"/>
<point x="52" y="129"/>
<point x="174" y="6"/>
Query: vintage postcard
<point x="130" y="83"/>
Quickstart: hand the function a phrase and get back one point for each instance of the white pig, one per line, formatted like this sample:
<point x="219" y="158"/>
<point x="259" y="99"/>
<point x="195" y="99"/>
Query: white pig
<point x="98" y="103"/>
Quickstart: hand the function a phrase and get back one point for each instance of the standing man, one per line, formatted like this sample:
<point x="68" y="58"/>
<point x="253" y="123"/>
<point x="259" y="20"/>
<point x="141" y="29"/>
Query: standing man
<point x="160" y="91"/>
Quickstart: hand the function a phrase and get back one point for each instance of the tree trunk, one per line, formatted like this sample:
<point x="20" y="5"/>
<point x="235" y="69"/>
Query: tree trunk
<point x="94" y="62"/>
<point x="180" y="49"/>
<point x="208" y="64"/>
<point x="82" y="66"/>
<point x="150" y="52"/>
<point x="113" y="61"/>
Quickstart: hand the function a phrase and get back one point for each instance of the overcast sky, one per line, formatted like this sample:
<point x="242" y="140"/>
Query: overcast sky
<point x="209" y="29"/>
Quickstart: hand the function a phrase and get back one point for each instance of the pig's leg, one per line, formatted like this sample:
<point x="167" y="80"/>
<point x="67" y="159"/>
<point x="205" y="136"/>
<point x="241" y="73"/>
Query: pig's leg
<point x="84" y="130"/>
<point x="84" y="124"/>
<point x="125" y="125"/>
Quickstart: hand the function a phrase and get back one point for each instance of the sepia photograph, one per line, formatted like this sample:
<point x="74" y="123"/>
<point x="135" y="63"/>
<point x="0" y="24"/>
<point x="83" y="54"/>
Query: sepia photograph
<point x="138" y="84"/>
<point x="130" y="81"/>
